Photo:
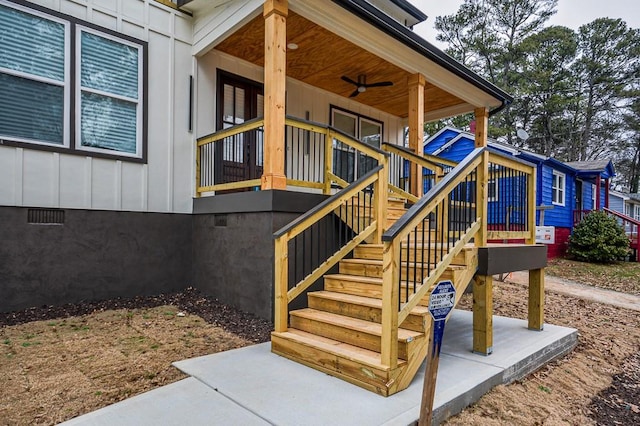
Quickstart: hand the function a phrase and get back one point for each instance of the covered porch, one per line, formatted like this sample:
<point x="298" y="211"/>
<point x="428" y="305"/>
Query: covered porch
<point x="305" y="96"/>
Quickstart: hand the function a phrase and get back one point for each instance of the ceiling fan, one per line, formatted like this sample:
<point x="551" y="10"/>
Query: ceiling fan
<point x="362" y="85"/>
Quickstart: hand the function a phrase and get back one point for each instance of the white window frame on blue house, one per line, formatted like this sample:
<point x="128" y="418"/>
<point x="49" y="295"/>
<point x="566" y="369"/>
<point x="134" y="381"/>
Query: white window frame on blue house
<point x="95" y="100"/>
<point x="593" y="197"/>
<point x="558" y="188"/>
<point x="492" y="190"/>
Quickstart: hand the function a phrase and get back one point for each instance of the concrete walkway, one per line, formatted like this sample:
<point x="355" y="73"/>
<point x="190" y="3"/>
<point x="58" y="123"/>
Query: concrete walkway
<point x="252" y="386"/>
<point x="581" y="291"/>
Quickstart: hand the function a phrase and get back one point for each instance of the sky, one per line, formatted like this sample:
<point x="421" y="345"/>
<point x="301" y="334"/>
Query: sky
<point x="571" y="13"/>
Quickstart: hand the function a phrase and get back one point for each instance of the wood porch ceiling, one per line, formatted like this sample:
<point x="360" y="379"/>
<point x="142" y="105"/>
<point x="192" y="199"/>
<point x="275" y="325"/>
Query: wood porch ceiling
<point x="323" y="57"/>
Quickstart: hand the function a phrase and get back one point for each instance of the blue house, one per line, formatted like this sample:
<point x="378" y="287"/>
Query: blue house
<point x="565" y="191"/>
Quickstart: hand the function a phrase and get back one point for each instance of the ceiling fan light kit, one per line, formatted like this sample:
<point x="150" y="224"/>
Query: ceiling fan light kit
<point x="362" y="85"/>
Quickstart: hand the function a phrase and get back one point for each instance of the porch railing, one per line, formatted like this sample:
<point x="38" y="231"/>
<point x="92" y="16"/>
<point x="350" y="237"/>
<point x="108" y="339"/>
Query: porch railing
<point x="401" y="161"/>
<point x="631" y="227"/>
<point x="511" y="198"/>
<point x="316" y="156"/>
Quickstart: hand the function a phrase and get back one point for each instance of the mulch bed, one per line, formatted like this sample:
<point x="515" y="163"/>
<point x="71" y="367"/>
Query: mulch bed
<point x="619" y="404"/>
<point x="191" y="300"/>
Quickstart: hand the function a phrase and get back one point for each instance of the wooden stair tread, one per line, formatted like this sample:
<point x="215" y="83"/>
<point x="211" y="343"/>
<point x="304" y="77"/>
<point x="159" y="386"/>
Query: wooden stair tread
<point x="370" y="302"/>
<point x="355" y="278"/>
<point x="353" y="323"/>
<point x="404" y="264"/>
<point x="344" y="350"/>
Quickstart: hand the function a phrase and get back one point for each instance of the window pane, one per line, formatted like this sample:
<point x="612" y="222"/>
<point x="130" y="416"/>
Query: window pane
<point x="344" y="123"/>
<point x="109" y="66"/>
<point x="370" y="133"/>
<point x="108" y="123"/>
<point x="31" y="110"/>
<point x="31" y="44"/>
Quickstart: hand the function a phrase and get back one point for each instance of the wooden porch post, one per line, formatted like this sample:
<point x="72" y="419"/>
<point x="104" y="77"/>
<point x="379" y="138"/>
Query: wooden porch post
<point x="482" y="185"/>
<point x="483" y="314"/>
<point x="275" y="61"/>
<point x="606" y="193"/>
<point x="416" y="83"/>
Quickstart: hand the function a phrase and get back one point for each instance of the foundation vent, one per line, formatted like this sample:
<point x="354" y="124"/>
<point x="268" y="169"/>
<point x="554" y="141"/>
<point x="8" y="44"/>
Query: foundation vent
<point x="45" y="216"/>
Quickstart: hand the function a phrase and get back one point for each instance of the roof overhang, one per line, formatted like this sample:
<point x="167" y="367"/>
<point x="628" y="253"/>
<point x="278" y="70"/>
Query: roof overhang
<point x="332" y="43"/>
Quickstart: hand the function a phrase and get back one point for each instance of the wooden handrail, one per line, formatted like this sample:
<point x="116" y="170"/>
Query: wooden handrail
<point x="436" y="194"/>
<point x="622" y="216"/>
<point x="234" y="130"/>
<point x="427" y="161"/>
<point x="283" y="296"/>
<point x="327" y="206"/>
<point x="337" y="134"/>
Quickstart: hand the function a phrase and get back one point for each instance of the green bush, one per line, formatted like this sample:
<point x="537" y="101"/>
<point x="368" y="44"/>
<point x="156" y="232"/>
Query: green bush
<point x="598" y="238"/>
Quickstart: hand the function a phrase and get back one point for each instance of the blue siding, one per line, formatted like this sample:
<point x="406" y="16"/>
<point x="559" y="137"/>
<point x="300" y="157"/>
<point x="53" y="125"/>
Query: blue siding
<point x="458" y="150"/>
<point x="616" y="203"/>
<point x="561" y="216"/>
<point x="440" y="140"/>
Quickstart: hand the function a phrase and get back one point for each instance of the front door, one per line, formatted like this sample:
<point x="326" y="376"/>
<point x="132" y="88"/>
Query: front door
<point x="239" y="100"/>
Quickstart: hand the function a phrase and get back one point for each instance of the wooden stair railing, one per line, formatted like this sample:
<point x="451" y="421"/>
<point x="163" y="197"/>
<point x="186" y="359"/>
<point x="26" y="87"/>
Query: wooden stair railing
<point x="350" y="329"/>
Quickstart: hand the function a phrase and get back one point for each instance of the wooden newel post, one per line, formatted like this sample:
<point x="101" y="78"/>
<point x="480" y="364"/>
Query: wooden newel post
<point x="281" y="279"/>
<point x="482" y="184"/>
<point x="275" y="82"/>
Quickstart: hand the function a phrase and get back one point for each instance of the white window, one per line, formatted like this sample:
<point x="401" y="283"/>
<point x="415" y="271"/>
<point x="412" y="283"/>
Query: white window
<point x="492" y="189"/>
<point x="359" y="127"/>
<point x="108" y="93"/>
<point x="34" y="76"/>
<point x="38" y="78"/>
<point x="593" y="197"/>
<point x="558" y="188"/>
<point x="636" y="216"/>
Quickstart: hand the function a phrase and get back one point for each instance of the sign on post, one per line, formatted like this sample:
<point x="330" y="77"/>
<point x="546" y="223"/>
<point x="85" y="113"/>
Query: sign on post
<point x="441" y="302"/>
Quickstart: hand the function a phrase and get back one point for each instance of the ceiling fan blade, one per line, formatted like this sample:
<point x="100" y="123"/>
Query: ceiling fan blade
<point x="354" y="94"/>
<point x="380" y="84"/>
<point x="348" y="80"/>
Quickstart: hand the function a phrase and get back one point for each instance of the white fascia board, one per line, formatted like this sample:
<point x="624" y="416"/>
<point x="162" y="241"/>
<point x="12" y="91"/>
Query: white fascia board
<point x="215" y="24"/>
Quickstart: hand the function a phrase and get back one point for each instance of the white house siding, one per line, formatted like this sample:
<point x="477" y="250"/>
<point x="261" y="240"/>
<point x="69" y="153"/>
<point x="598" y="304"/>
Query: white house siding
<point x="165" y="184"/>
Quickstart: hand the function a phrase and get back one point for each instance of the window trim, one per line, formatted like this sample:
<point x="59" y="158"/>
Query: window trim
<point x="66" y="83"/>
<point x="593" y="197"/>
<point x="72" y="105"/>
<point x="555" y="188"/>
<point x="79" y="89"/>
<point x="495" y="197"/>
<point x="358" y="118"/>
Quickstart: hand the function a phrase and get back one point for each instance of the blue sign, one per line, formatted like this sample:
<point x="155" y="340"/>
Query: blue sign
<point x="441" y="302"/>
<point x="442" y="299"/>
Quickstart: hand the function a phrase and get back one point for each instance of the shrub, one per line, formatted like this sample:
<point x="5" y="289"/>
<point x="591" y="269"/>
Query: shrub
<point x="598" y="238"/>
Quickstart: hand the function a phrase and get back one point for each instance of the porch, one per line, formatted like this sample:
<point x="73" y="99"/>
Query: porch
<point x="393" y="221"/>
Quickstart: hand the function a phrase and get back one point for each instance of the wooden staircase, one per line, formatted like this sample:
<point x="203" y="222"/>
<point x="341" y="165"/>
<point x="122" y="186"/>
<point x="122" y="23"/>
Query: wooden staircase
<point x="340" y="331"/>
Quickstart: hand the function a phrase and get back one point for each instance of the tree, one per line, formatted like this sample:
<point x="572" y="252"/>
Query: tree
<point x="605" y="65"/>
<point x="547" y="86"/>
<point x="486" y="35"/>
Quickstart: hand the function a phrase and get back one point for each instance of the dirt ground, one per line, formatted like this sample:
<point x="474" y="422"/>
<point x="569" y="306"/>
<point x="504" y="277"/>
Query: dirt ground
<point x="58" y="363"/>
<point x="578" y="389"/>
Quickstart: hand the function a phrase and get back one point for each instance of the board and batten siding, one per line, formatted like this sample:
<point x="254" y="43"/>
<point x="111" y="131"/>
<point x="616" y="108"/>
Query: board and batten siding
<point x="33" y="178"/>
